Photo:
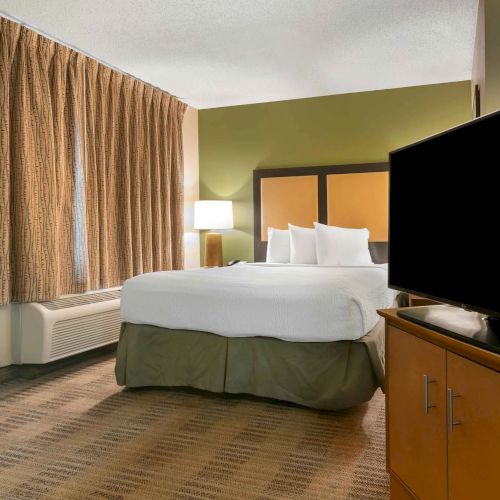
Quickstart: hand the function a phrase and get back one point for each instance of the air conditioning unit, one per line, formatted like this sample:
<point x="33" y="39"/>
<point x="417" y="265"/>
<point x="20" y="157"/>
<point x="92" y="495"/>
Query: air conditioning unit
<point x="47" y="331"/>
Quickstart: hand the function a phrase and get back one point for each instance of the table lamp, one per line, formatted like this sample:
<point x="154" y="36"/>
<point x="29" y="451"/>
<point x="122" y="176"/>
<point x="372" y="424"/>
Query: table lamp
<point x="213" y="214"/>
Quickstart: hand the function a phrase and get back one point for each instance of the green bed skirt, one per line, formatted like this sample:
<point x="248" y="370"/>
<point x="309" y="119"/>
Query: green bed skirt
<point x="327" y="375"/>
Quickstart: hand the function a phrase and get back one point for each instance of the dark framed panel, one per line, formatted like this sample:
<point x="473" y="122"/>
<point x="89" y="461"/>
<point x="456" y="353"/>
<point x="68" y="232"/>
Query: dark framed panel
<point x="378" y="249"/>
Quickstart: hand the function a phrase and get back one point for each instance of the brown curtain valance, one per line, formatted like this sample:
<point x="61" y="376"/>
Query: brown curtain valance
<point x="91" y="172"/>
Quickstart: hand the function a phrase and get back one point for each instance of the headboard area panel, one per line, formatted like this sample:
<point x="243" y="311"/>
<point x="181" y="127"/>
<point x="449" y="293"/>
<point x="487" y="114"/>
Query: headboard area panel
<point x="291" y="199"/>
<point x="360" y="200"/>
<point x="341" y="195"/>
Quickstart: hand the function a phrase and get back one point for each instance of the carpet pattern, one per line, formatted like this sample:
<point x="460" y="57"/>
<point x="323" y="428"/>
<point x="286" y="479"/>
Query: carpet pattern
<point x="74" y="434"/>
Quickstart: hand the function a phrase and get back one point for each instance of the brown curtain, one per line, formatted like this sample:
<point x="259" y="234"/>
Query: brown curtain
<point x="91" y="172"/>
<point x="134" y="175"/>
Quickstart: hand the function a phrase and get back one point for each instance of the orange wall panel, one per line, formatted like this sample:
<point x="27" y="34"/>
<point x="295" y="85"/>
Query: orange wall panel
<point x="286" y="200"/>
<point x="360" y="200"/>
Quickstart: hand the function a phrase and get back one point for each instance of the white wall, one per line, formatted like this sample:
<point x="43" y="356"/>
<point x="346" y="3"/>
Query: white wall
<point x="5" y="350"/>
<point x="191" y="187"/>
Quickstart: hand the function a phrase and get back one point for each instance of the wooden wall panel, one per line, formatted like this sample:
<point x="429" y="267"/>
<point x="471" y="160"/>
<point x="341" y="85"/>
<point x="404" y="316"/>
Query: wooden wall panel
<point x="360" y="200"/>
<point x="288" y="199"/>
<point x="273" y="211"/>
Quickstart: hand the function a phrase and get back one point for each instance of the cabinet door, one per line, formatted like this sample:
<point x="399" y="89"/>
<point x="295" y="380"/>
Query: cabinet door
<point x="474" y="442"/>
<point x="416" y="437"/>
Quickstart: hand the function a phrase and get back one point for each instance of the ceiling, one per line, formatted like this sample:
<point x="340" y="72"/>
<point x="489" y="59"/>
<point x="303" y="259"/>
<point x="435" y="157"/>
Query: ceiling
<point x="213" y="53"/>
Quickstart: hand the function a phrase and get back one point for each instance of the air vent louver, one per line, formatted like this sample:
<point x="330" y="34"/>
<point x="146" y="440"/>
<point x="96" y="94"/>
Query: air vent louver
<point x="74" y="335"/>
<point x="81" y="300"/>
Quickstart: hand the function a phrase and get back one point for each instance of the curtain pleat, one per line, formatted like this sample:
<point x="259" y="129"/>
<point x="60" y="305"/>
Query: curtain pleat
<point x="124" y="187"/>
<point x="91" y="172"/>
<point x="176" y="177"/>
<point x="9" y="36"/>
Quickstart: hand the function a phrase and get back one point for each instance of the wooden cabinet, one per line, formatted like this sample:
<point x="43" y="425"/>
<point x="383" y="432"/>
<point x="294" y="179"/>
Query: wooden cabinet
<point x="416" y="411"/>
<point x="474" y="442"/>
<point x="443" y="415"/>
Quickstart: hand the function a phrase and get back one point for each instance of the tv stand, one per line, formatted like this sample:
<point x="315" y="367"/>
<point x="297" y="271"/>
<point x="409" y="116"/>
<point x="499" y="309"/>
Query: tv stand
<point x="469" y="327"/>
<point x="442" y="407"/>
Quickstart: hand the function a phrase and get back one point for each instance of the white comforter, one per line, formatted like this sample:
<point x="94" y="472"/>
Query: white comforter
<point x="295" y="303"/>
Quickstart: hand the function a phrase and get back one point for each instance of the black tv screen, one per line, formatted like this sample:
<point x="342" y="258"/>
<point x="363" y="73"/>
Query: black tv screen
<point x="444" y="221"/>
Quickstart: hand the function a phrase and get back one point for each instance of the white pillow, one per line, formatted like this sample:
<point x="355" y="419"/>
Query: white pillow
<point x="278" y="245"/>
<point x="339" y="246"/>
<point x="302" y="245"/>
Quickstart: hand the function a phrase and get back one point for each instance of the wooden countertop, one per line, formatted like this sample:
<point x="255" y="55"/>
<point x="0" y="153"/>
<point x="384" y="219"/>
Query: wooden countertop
<point x="481" y="356"/>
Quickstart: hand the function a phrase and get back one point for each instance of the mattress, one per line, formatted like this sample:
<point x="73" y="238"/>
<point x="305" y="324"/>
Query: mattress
<point x="289" y="302"/>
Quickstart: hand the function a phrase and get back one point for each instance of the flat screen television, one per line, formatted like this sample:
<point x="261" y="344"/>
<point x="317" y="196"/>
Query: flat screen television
<point x="444" y="221"/>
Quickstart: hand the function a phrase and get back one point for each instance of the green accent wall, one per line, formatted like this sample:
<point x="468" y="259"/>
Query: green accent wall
<point x="339" y="129"/>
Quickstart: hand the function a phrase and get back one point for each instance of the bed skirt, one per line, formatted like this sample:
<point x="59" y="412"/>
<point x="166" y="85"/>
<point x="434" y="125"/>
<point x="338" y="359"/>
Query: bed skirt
<point x="326" y="375"/>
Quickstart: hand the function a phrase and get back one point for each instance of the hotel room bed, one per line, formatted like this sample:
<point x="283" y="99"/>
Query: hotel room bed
<point x="305" y="334"/>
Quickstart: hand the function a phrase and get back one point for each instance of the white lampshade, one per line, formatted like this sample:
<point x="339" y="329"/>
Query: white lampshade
<point x="213" y="214"/>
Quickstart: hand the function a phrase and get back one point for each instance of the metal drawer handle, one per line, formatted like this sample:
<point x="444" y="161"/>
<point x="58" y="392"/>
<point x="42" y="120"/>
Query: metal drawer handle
<point x="451" y="421"/>
<point x="427" y="381"/>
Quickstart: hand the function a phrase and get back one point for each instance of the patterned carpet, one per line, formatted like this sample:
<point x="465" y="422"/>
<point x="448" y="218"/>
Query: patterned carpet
<point x="74" y="434"/>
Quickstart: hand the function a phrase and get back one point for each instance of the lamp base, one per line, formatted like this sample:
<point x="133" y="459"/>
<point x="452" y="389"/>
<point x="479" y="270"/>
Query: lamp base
<point x="213" y="250"/>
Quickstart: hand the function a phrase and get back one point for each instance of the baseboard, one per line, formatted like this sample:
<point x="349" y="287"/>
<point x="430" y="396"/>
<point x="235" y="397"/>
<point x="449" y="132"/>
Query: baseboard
<point x="32" y="371"/>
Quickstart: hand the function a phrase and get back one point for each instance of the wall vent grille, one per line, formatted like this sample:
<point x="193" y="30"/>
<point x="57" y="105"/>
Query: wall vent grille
<point x="74" y="335"/>
<point x="82" y="300"/>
